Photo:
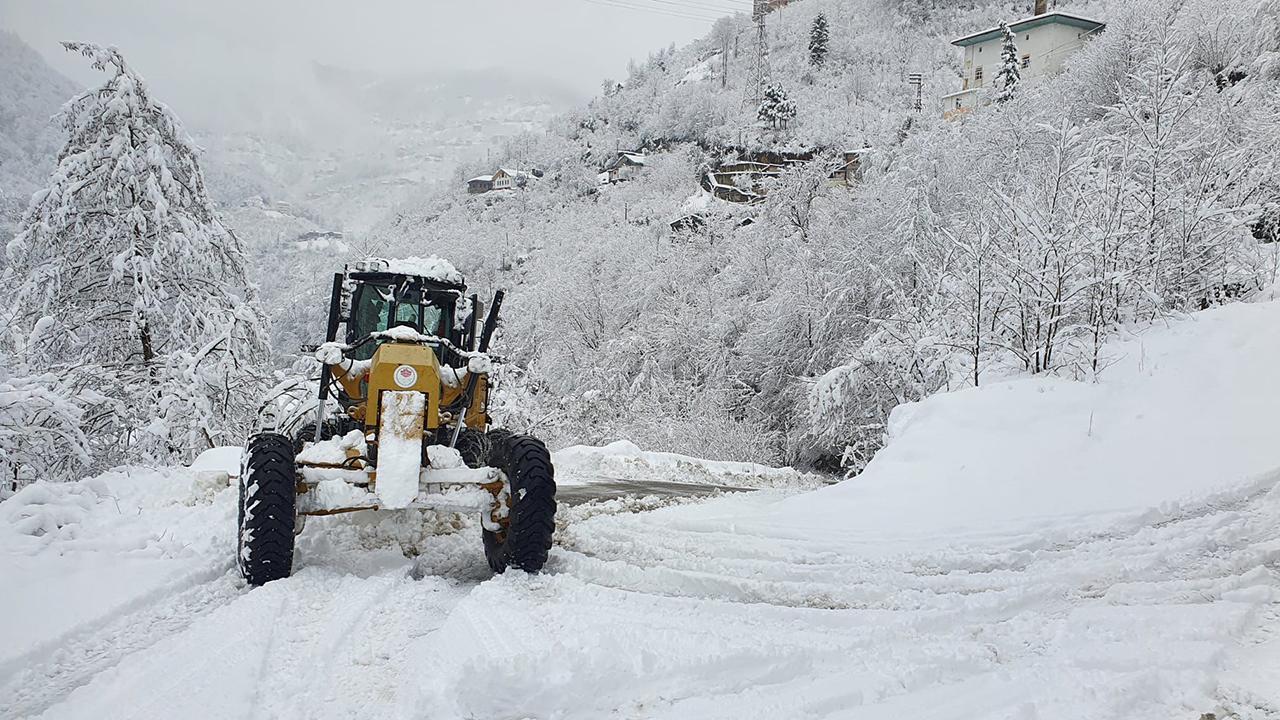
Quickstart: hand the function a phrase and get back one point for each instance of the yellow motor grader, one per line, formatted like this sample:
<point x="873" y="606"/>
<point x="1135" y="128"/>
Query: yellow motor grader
<point x="401" y="423"/>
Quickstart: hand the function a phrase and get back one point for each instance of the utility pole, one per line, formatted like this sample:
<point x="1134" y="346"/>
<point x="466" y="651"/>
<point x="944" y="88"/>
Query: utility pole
<point x="759" y="63"/>
<point x="724" y="64"/>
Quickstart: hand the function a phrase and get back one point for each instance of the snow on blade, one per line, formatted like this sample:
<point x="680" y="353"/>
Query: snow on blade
<point x="334" y="451"/>
<point x="400" y="447"/>
<point x="335" y="494"/>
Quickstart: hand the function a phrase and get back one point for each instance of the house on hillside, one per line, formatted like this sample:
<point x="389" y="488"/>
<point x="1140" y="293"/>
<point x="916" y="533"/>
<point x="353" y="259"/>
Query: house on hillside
<point x="850" y="169"/>
<point x="625" y="166"/>
<point x="745" y="180"/>
<point x="741" y="181"/>
<point x="1044" y="42"/>
<point x="321" y="241"/>
<point x="504" y="179"/>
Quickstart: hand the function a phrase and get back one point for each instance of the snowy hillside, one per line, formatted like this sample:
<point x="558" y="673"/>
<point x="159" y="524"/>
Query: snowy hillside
<point x="31" y="92"/>
<point x="1032" y="549"/>
<point x="784" y="330"/>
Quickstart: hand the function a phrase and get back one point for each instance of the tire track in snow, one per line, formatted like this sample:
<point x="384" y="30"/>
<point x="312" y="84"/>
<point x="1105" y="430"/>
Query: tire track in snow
<point x="81" y="656"/>
<point x="317" y="615"/>
<point x="366" y="675"/>
<point x="337" y="639"/>
<point x="1034" y="602"/>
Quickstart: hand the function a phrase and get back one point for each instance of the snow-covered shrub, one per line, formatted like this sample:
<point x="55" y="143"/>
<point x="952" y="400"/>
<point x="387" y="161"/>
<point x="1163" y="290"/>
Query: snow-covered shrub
<point x="40" y="429"/>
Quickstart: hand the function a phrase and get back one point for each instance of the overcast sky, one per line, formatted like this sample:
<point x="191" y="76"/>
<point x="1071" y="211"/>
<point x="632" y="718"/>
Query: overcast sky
<point x="185" y="46"/>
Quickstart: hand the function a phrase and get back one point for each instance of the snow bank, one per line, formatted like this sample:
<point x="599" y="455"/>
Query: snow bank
<point x="623" y="460"/>
<point x="1185" y="411"/>
<point x="75" y="554"/>
<point x="225" y="459"/>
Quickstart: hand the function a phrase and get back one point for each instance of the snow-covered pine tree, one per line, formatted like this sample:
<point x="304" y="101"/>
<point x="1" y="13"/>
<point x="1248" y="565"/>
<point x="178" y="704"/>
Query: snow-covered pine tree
<point x="776" y="108"/>
<point x="1009" y="74"/>
<point x="818" y="37"/>
<point x="138" y="289"/>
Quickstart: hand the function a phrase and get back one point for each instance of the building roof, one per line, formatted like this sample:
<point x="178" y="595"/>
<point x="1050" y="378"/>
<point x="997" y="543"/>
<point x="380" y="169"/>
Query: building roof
<point x="1029" y="23"/>
<point x="481" y="178"/>
<point x="625" y="156"/>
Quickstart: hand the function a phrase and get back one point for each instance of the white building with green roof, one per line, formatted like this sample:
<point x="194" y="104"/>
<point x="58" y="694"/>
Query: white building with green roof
<point x="1044" y="42"/>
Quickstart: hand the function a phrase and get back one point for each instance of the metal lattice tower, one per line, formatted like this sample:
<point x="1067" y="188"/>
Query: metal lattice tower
<point x="760" y="63"/>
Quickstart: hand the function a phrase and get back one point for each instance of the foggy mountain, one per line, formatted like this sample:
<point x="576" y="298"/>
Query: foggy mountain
<point x="339" y="147"/>
<point x="30" y="93"/>
<point x="365" y="142"/>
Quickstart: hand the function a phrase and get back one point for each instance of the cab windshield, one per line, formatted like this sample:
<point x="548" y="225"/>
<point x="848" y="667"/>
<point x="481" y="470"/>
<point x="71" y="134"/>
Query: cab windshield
<point x="373" y="308"/>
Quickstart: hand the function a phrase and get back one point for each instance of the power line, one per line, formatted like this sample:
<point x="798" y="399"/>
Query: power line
<point x="653" y="10"/>
<point x="723" y="6"/>
<point x="695" y="5"/>
<point x="695" y="14"/>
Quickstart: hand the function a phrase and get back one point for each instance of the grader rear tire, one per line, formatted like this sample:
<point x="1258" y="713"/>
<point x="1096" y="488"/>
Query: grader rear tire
<point x="268" y="497"/>
<point x="527" y="538"/>
<point x="473" y="445"/>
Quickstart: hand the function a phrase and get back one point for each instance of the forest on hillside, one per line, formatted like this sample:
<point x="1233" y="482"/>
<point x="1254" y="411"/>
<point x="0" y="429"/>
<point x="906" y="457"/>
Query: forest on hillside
<point x="1139" y="183"/>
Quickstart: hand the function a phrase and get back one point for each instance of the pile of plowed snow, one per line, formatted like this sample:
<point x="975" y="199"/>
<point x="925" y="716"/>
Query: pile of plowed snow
<point x="1184" y="412"/>
<point x="625" y="461"/>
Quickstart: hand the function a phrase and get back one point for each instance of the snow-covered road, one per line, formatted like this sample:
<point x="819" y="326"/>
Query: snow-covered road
<point x="689" y="612"/>
<point x="1033" y="549"/>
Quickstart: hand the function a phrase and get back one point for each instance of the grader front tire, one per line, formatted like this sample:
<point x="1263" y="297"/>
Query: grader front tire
<point x="527" y="538"/>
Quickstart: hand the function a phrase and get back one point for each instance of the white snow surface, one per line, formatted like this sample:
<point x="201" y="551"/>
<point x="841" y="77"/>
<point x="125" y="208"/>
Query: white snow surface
<point x="623" y="460"/>
<point x="431" y="267"/>
<point x="224" y="459"/>
<point x="1004" y="557"/>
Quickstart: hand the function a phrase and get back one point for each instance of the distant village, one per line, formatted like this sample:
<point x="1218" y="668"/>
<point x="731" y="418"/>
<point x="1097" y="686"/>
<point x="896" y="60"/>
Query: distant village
<point x="1043" y="42"/>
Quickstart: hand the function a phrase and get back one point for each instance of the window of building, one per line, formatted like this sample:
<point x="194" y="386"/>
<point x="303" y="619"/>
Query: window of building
<point x="1026" y="61"/>
<point x="977" y="74"/>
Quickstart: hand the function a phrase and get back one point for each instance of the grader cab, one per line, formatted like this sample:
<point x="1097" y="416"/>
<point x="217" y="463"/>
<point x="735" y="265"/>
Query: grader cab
<point x="400" y="423"/>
